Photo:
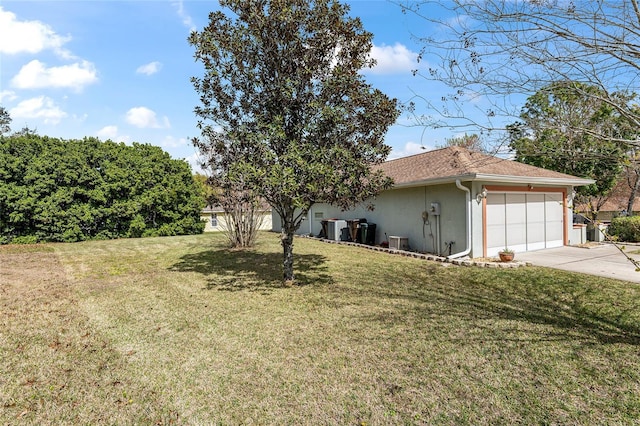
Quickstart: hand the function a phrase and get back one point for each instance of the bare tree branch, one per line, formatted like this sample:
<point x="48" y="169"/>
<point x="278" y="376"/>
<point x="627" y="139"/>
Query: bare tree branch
<point x="504" y="50"/>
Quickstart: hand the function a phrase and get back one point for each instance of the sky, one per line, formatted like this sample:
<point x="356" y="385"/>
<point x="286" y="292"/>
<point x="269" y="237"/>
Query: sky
<point x="121" y="70"/>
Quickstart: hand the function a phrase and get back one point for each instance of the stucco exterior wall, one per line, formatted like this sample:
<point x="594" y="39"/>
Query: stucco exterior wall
<point x="222" y="221"/>
<point x="398" y="212"/>
<point x="477" y="242"/>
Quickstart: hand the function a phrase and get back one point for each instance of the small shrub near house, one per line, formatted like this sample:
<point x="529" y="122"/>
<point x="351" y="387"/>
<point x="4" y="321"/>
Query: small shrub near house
<point x="625" y="229"/>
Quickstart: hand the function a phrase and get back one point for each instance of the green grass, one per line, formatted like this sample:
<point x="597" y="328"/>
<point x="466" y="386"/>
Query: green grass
<point x="182" y="330"/>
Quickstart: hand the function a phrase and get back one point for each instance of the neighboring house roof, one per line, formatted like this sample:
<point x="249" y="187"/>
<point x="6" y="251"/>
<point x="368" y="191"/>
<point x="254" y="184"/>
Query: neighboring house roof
<point x="212" y="209"/>
<point x="617" y="199"/>
<point x="448" y="164"/>
<point x="264" y="207"/>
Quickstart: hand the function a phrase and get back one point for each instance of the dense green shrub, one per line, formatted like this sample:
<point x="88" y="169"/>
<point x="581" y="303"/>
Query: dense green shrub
<point x="74" y="190"/>
<point x="625" y="229"/>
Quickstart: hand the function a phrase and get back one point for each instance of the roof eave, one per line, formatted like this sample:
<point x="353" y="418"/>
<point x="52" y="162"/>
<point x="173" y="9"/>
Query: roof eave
<point x="434" y="181"/>
<point x="497" y="178"/>
<point x="540" y="180"/>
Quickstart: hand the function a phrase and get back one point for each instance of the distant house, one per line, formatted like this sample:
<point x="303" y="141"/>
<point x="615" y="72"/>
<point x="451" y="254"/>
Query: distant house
<point x="452" y="201"/>
<point x="615" y="203"/>
<point x="216" y="220"/>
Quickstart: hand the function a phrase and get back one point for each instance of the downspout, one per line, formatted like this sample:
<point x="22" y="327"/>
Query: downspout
<point x="468" y="200"/>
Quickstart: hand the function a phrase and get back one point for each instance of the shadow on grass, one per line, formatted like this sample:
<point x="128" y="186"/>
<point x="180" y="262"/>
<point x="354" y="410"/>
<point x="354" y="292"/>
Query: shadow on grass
<point x="567" y="307"/>
<point x="235" y="270"/>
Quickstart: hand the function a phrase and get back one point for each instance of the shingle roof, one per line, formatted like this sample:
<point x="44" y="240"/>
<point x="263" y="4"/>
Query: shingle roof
<point x="456" y="162"/>
<point x="617" y="199"/>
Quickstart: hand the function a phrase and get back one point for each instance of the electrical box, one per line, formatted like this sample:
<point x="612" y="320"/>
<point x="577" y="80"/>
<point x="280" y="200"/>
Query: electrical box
<point x="435" y="209"/>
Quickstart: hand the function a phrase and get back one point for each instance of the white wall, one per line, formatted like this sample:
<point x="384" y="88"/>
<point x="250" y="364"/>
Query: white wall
<point x="222" y="222"/>
<point x="398" y="212"/>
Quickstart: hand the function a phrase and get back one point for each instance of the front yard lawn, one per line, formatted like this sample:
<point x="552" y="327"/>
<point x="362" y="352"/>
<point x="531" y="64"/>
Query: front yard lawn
<point x="182" y="330"/>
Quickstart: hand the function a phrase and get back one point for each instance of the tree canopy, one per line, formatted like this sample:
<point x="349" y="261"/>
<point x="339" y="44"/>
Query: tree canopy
<point x="567" y="127"/>
<point x="74" y="190"/>
<point x="284" y="107"/>
<point x="471" y="142"/>
<point x="5" y="121"/>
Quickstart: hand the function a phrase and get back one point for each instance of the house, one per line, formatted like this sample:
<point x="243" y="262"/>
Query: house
<point x="216" y="219"/>
<point x="614" y="204"/>
<point x="454" y="202"/>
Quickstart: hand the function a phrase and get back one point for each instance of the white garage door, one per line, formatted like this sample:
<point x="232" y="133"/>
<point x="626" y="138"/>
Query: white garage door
<point x="524" y="221"/>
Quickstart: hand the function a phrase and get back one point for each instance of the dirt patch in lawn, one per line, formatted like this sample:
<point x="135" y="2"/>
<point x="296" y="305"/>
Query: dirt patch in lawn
<point x="50" y="353"/>
<point x="28" y="278"/>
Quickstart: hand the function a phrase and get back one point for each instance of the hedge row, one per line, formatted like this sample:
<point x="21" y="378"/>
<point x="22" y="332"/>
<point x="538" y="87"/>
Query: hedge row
<point x="74" y="190"/>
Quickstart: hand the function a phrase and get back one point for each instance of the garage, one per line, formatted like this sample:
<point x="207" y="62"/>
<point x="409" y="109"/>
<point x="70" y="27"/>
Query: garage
<point x="524" y="221"/>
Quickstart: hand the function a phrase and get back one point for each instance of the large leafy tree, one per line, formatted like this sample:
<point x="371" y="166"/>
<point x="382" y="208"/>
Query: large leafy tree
<point x="285" y="110"/>
<point x="73" y="190"/>
<point x="568" y="127"/>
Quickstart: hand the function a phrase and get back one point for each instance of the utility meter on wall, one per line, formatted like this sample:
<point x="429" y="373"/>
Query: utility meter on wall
<point x="435" y="209"/>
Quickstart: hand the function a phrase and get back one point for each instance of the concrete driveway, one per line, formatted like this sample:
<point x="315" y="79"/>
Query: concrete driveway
<point x="604" y="260"/>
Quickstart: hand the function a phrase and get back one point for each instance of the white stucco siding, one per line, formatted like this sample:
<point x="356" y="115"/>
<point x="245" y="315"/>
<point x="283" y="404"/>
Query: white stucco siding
<point x="219" y="221"/>
<point x="517" y="217"/>
<point x="398" y="212"/>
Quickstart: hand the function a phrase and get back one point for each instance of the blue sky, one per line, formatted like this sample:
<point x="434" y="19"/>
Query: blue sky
<point x="120" y="70"/>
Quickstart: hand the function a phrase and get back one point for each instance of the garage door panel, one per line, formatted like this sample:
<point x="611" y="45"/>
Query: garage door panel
<point x="535" y="221"/>
<point x="516" y="220"/>
<point x="496" y="235"/>
<point x="555" y="218"/>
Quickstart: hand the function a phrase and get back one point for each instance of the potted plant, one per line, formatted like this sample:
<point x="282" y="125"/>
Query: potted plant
<point x="506" y="255"/>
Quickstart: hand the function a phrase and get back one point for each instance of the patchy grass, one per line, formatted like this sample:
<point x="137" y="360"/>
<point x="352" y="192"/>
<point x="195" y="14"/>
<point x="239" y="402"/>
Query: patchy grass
<point x="182" y="330"/>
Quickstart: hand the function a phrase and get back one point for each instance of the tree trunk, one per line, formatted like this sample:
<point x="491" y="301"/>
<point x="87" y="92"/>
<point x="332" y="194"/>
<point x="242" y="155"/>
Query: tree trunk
<point x="632" y="196"/>
<point x="286" y="238"/>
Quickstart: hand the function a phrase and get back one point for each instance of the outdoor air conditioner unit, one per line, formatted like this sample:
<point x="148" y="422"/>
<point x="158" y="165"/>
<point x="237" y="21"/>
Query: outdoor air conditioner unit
<point x="334" y="228"/>
<point x="398" y="243"/>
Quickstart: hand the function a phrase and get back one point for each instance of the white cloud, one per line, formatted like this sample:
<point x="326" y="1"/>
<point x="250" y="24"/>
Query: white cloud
<point x="7" y="95"/>
<point x="108" y="132"/>
<point x="194" y="161"/>
<point x="80" y="118"/>
<point x="393" y="59"/>
<point x="28" y="36"/>
<point x="410" y="148"/>
<point x="111" y="132"/>
<point x="143" y="117"/>
<point x="150" y="68"/>
<point x="172" y="142"/>
<point x="187" y="21"/>
<point x="41" y="107"/>
<point x="35" y="75"/>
